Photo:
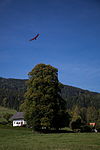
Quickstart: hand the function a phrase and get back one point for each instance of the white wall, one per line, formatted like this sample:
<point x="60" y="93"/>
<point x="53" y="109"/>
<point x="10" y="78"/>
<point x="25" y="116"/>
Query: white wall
<point x="18" y="123"/>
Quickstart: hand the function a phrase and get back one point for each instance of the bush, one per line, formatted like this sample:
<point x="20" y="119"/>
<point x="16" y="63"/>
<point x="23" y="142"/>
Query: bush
<point x="86" y="128"/>
<point x="76" y="124"/>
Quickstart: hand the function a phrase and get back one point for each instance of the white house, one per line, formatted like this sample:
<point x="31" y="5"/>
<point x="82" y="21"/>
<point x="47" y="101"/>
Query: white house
<point x="18" y="119"/>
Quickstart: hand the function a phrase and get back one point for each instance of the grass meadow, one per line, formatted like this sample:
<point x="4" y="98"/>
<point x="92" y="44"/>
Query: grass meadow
<point x="25" y="139"/>
<point x="4" y="111"/>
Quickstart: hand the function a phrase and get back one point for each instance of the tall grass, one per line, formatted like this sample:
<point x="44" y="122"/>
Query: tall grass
<point x="25" y="139"/>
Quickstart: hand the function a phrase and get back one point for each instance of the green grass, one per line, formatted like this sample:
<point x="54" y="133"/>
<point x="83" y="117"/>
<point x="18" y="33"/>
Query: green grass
<point x="3" y="111"/>
<point x="25" y="139"/>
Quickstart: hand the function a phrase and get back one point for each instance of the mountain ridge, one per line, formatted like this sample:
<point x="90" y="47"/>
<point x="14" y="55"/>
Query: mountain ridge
<point x="12" y="94"/>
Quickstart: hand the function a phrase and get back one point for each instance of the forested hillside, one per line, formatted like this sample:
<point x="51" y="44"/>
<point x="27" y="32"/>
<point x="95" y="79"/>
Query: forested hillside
<point x="77" y="96"/>
<point x="12" y="94"/>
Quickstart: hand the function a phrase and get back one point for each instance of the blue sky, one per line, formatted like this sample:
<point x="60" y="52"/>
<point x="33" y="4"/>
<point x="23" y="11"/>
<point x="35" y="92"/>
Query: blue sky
<point x="69" y="39"/>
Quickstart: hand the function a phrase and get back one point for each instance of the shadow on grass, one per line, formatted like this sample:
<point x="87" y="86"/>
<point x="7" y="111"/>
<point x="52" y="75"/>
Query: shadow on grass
<point x="53" y="131"/>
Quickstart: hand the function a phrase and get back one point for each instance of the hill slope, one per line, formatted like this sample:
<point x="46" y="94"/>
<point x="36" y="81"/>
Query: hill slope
<point x="12" y="94"/>
<point x="5" y="113"/>
<point x="84" y="98"/>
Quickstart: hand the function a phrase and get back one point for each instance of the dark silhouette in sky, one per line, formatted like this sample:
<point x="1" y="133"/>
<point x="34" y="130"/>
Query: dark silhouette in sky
<point x="34" y="38"/>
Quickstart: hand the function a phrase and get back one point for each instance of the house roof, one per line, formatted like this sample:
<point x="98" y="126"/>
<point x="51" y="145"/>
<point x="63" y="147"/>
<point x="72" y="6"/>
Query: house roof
<point x="18" y="115"/>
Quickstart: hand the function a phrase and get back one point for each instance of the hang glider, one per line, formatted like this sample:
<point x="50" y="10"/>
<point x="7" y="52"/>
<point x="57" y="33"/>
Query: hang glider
<point x="34" y="38"/>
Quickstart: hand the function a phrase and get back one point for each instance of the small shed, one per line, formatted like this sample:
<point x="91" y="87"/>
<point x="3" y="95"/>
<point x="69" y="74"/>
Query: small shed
<point x="18" y="119"/>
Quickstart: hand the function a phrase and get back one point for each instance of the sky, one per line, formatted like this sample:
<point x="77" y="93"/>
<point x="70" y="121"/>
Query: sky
<point x="69" y="39"/>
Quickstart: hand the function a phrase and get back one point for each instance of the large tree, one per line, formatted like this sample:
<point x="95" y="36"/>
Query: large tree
<point x="92" y="114"/>
<point x="44" y="108"/>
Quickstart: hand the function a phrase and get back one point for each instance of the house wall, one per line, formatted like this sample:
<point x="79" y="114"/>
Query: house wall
<point x="18" y="123"/>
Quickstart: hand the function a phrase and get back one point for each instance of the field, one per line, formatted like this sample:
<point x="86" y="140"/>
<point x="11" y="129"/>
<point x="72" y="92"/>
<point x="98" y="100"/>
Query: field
<point x="4" y="111"/>
<point x="25" y="139"/>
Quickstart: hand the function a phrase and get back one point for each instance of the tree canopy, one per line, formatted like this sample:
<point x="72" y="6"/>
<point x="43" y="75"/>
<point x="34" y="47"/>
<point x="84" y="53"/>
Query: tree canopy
<point x="44" y="107"/>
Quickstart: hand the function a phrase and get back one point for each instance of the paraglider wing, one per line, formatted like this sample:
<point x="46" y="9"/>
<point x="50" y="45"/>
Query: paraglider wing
<point x="34" y="37"/>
